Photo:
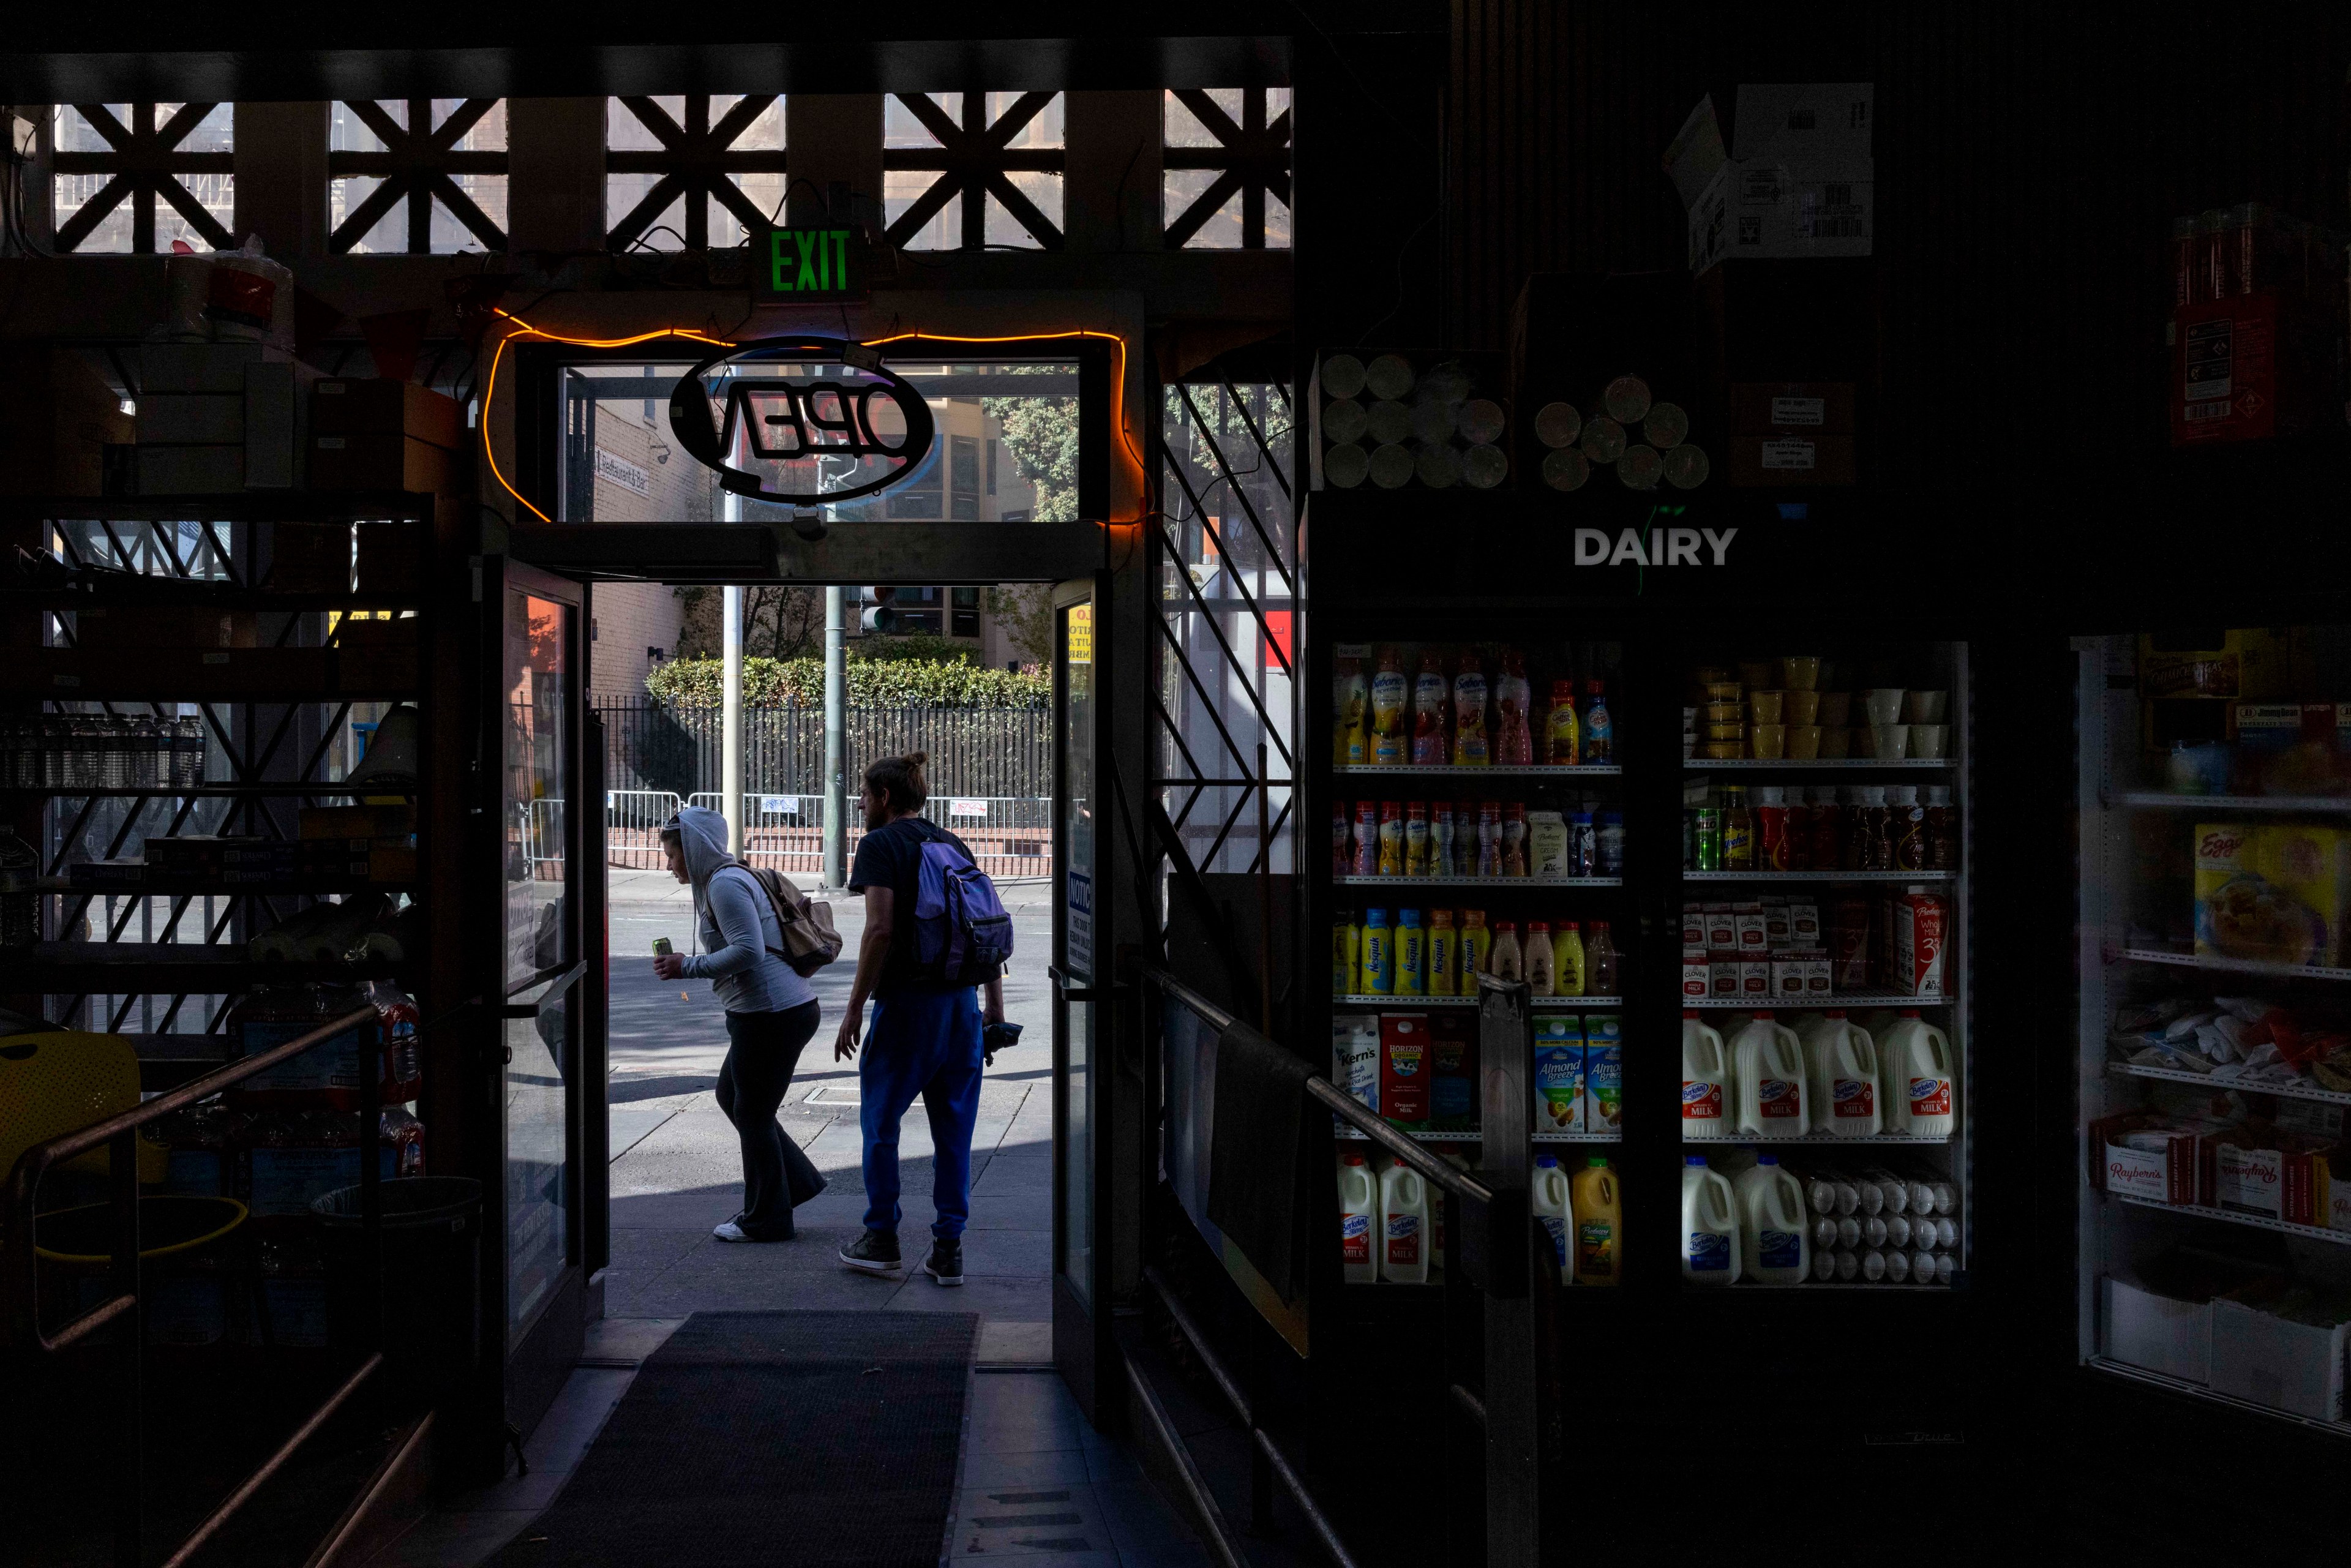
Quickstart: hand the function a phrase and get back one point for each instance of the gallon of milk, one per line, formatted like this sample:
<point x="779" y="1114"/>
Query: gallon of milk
<point x="1768" y="1070"/>
<point x="1359" y="1218"/>
<point x="1705" y="1075"/>
<point x="1772" y="1241"/>
<point x="1552" y="1212"/>
<point x="1921" y="1077"/>
<point x="1709" y="1226"/>
<point x="1403" y="1212"/>
<point x="1840" y="1075"/>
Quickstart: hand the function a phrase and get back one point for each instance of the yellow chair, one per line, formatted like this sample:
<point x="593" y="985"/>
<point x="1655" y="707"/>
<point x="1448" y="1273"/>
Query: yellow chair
<point x="59" y="1080"/>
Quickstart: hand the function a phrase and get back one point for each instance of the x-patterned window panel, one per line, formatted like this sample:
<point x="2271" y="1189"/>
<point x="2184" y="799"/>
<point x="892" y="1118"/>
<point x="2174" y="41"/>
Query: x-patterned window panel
<point x="132" y="178"/>
<point x="694" y="172"/>
<point x="973" y="171"/>
<point x="419" y="176"/>
<point x="1224" y="154"/>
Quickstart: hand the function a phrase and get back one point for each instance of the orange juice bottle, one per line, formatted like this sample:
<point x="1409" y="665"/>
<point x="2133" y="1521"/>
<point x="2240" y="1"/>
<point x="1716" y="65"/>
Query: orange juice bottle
<point x="1598" y="1217"/>
<point x="1562" y="734"/>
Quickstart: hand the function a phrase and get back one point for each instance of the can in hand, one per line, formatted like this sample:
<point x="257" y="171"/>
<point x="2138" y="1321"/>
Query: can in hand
<point x="660" y="948"/>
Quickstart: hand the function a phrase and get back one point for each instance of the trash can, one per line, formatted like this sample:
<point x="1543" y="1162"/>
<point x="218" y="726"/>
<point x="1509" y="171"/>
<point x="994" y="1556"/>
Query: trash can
<point x="432" y="1282"/>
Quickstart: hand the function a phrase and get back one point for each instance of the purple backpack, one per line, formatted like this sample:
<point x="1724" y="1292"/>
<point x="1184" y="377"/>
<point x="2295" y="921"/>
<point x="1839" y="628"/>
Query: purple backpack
<point x="962" y="934"/>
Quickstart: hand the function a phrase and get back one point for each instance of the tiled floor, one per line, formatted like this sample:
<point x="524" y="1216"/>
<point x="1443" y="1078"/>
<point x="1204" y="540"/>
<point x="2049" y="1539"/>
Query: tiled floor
<point x="1039" y="1485"/>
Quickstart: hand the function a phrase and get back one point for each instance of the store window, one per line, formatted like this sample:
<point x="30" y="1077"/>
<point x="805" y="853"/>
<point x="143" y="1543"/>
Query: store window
<point x="973" y="171"/>
<point x="964" y="477"/>
<point x="134" y="178"/>
<point x="693" y="171"/>
<point x="917" y="496"/>
<point x="921" y="610"/>
<point x="416" y="177"/>
<point x="1225" y="154"/>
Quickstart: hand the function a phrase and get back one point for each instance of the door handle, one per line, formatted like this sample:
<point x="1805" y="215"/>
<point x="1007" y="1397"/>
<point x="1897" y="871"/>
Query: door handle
<point x="1066" y="992"/>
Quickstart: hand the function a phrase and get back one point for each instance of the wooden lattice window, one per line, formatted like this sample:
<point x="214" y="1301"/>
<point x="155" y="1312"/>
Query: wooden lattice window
<point x="425" y="176"/>
<point x="1226" y="156"/>
<point x="998" y="154"/>
<point x="114" y="163"/>
<point x="697" y="172"/>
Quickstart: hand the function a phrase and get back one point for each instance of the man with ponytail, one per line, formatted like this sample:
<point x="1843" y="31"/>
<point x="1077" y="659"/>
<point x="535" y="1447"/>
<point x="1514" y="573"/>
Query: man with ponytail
<point x="926" y="1038"/>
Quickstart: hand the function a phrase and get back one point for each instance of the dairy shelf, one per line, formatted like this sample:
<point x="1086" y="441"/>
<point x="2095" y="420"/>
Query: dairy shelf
<point x="1786" y="764"/>
<point x="1349" y="1134"/>
<point x="2232" y="1217"/>
<point x="1480" y="882"/>
<point x="1819" y="875"/>
<point x="2123" y="1369"/>
<point x="1397" y="998"/>
<point x="1448" y="770"/>
<point x="1820" y="1138"/>
<point x="2232" y="966"/>
<point x="1579" y="1137"/>
<point x="2164" y="800"/>
<point x="2303" y="1090"/>
<point x="1835" y="999"/>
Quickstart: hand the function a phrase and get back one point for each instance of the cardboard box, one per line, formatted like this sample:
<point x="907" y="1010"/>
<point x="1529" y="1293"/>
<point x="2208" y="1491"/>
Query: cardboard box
<point x="1921" y="935"/>
<point x="2271" y="893"/>
<point x="2165" y="1173"/>
<point x="1793" y="178"/>
<point x="2162" y="1333"/>
<point x="192" y="419"/>
<point x="2249" y="663"/>
<point x="309" y="558"/>
<point x="2293" y="748"/>
<point x="349" y="406"/>
<point x="62" y="417"/>
<point x="2274" y="1360"/>
<point x="191" y="470"/>
<point x="1404" y="1070"/>
<point x="168" y="368"/>
<point x="103" y="628"/>
<point x="1559" y="1072"/>
<point x="380" y="461"/>
<point x="1761" y="460"/>
<point x="1791" y="408"/>
<point x="2251" y="367"/>
<point x="1697" y="975"/>
<point x="1452" y="1050"/>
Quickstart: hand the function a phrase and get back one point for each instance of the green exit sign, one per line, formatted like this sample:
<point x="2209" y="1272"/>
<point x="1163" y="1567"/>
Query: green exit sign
<point x="809" y="263"/>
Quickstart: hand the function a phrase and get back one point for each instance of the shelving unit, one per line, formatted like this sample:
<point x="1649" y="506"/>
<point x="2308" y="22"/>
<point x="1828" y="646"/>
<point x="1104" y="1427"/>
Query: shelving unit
<point x="1846" y="999"/>
<point x="1823" y="1140"/>
<point x="1357" y="999"/>
<point x="1502" y="882"/>
<point x="1807" y="763"/>
<point x="1448" y="770"/>
<point x="2135" y="882"/>
<point x="1819" y="876"/>
<point x="1347" y="1134"/>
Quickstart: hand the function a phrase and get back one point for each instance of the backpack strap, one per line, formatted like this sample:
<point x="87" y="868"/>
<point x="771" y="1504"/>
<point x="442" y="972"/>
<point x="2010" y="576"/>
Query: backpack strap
<point x="761" y="899"/>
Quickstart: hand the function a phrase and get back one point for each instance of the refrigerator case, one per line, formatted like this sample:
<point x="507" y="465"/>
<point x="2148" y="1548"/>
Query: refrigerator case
<point x="2214" y="1068"/>
<point x="1824" y="980"/>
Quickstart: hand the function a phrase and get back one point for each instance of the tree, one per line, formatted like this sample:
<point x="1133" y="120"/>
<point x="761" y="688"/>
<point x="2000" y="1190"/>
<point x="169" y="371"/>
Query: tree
<point x="779" y="621"/>
<point x="1042" y="433"/>
<point x="1026" y="613"/>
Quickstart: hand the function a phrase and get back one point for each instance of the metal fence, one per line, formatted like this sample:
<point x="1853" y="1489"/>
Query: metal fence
<point x="1004" y="753"/>
<point x="1011" y="836"/>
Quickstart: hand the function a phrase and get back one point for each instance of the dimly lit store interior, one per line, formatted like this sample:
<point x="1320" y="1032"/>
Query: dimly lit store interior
<point x="1885" y="634"/>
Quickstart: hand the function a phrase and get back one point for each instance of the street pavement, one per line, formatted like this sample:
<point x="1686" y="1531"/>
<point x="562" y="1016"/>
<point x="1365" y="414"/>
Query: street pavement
<point x="676" y="1169"/>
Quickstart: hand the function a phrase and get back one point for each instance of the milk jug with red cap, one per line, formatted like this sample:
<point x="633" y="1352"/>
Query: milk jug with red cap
<point x="1706" y="1077"/>
<point x="1359" y="1220"/>
<point x="1921" y="1077"/>
<point x="1767" y="1066"/>
<point x="1840" y="1074"/>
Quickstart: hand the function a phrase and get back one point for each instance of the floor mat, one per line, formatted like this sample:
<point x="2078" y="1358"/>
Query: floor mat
<point x="772" y="1437"/>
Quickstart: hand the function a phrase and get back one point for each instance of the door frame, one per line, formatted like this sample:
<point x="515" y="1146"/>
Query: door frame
<point x="1082" y="1341"/>
<point x="523" y="1380"/>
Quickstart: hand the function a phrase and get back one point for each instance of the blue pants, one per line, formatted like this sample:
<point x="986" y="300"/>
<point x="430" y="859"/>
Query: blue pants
<point x="925" y="1043"/>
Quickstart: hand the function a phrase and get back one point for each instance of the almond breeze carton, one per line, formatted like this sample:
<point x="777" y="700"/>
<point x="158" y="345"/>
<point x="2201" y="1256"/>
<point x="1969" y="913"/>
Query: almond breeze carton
<point x="1559" y="1073"/>
<point x="1603" y="1073"/>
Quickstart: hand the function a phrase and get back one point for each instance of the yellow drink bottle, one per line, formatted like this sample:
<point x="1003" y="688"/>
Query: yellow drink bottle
<point x="1476" y="949"/>
<point x="1411" y="955"/>
<point x="1346" y="956"/>
<point x="1443" y="955"/>
<point x="1567" y="958"/>
<point x="1379" y="955"/>
<point x="1597" y="1215"/>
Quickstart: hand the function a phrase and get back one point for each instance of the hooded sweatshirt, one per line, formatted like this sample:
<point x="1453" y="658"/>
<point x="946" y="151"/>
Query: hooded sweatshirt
<point x="738" y="925"/>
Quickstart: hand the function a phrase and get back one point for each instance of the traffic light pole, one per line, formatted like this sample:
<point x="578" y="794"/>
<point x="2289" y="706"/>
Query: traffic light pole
<point x="836" y="790"/>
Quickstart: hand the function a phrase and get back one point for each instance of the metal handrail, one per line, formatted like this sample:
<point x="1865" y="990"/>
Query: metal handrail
<point x="24" y="1178"/>
<point x="1341" y="1104"/>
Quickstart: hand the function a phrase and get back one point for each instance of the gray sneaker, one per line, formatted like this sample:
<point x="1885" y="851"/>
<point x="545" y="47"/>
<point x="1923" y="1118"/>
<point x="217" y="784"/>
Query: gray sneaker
<point x="874" y="1252"/>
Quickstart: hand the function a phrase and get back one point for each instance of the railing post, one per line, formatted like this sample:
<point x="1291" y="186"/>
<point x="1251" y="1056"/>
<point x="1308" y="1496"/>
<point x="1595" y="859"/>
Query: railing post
<point x="1506" y="1064"/>
<point x="131" y="1505"/>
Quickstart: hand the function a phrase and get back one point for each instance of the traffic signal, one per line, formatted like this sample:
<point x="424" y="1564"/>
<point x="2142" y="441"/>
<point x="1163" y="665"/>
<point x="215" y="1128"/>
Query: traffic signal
<point x="877" y="611"/>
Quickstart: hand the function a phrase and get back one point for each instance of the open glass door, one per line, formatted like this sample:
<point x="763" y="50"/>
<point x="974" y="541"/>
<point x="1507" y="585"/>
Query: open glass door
<point x="536" y="715"/>
<point x="1081" y="983"/>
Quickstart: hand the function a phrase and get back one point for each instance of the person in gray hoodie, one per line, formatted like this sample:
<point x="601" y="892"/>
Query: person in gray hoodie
<point x="772" y="1013"/>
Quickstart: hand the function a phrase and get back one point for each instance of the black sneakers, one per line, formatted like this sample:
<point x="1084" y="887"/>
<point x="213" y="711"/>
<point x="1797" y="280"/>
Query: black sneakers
<point x="945" y="1262"/>
<point x="874" y="1252"/>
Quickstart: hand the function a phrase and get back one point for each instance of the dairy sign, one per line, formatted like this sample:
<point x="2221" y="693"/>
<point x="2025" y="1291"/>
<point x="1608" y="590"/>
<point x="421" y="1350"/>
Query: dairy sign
<point x="801" y="421"/>
<point x="1653" y="547"/>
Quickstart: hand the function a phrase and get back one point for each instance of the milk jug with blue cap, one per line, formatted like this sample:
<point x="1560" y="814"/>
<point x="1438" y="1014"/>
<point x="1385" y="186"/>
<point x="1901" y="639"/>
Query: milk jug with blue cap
<point x="1773" y="1243"/>
<point x="1709" y="1225"/>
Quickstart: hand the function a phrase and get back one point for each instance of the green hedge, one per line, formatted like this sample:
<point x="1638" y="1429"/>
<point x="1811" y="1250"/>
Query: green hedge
<point x="872" y="683"/>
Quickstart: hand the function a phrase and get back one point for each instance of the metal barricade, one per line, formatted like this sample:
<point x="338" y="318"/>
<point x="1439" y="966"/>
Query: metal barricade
<point x="541" y="829"/>
<point x="633" y="824"/>
<point x="1011" y="836"/>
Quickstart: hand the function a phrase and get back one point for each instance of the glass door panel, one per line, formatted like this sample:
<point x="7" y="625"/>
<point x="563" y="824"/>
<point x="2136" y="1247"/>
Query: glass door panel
<point x="1075" y="958"/>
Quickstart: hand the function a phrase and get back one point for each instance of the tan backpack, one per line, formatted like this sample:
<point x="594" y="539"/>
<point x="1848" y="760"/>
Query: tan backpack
<point x="810" y="940"/>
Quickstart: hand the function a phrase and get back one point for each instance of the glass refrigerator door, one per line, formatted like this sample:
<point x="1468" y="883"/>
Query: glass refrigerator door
<point x="1825" y="1033"/>
<point x="2215" y="1063"/>
<point x="1477" y="822"/>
